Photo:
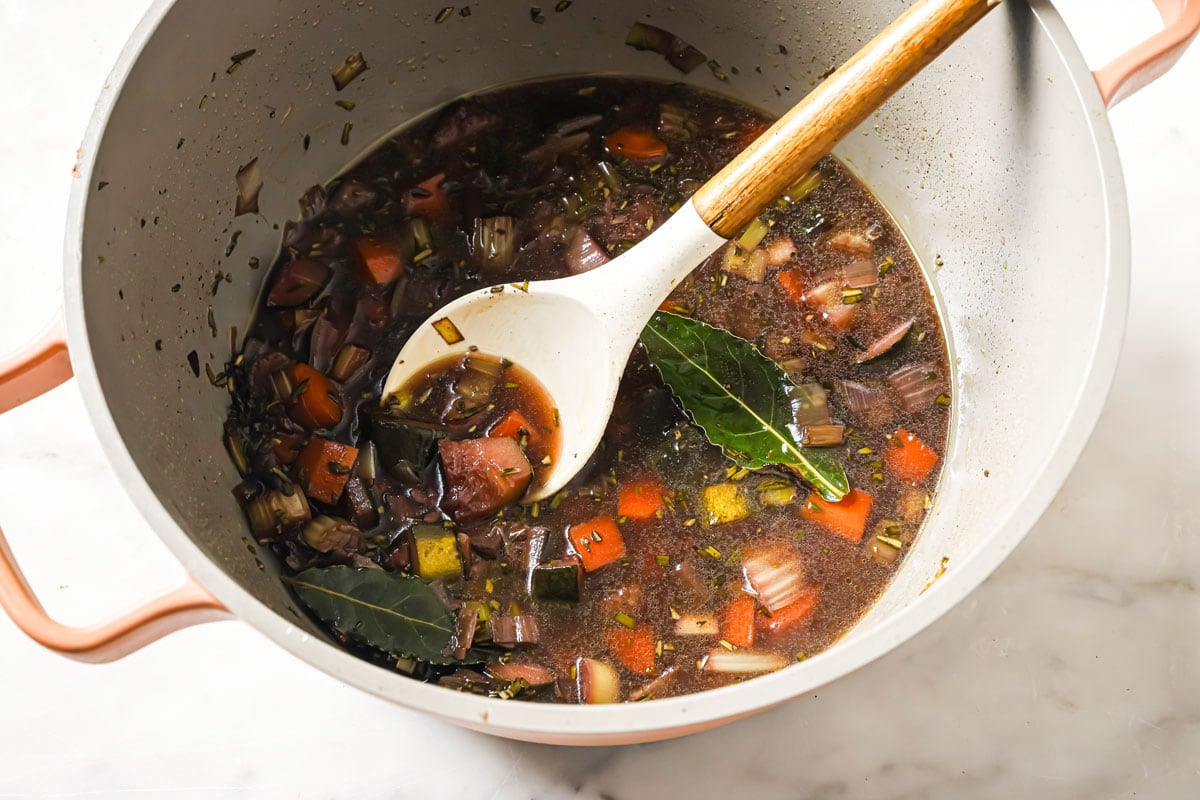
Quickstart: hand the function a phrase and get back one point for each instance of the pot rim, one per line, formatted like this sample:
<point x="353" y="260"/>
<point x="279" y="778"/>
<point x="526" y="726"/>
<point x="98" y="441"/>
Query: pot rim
<point x="658" y="719"/>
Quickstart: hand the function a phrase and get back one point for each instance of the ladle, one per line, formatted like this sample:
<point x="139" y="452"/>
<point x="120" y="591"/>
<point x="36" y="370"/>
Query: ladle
<point x="575" y="334"/>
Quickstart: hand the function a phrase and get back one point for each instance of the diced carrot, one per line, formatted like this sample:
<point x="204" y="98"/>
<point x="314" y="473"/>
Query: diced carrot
<point x="737" y="622"/>
<point x="634" y="143"/>
<point x="792" y="614"/>
<point x="794" y="284"/>
<point x="512" y="426"/>
<point x="633" y="648"/>
<point x="640" y="499"/>
<point x="428" y="199"/>
<point x="908" y="458"/>
<point x="597" y="541"/>
<point x="286" y="446"/>
<point x="847" y="518"/>
<point x="324" y="467"/>
<point x="379" y="260"/>
<point x="315" y="401"/>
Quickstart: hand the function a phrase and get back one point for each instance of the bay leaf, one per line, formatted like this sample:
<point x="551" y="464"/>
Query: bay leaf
<point x="398" y="614"/>
<point x="741" y="399"/>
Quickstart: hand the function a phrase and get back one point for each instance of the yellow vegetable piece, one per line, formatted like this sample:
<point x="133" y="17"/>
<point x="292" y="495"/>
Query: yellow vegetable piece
<point x="435" y="552"/>
<point x="725" y="502"/>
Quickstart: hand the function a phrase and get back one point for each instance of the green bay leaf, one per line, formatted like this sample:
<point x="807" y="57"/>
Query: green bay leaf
<point x="398" y="614"/>
<point x="741" y="399"/>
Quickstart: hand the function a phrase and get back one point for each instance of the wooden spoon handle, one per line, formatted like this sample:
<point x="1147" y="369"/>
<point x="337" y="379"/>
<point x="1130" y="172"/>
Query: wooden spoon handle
<point x="790" y="147"/>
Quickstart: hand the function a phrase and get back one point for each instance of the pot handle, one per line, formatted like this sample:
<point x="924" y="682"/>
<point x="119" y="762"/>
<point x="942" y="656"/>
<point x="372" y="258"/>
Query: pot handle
<point x="1149" y="60"/>
<point x="31" y="372"/>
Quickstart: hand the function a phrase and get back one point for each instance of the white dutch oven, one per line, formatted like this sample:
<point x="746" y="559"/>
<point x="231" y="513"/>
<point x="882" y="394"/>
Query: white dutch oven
<point x="998" y="162"/>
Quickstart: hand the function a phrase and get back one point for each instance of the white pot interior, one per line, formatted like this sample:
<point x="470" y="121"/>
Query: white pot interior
<point x="995" y="162"/>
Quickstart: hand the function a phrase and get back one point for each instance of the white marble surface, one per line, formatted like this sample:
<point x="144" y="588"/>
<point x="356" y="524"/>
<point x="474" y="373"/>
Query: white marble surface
<point x="1072" y="673"/>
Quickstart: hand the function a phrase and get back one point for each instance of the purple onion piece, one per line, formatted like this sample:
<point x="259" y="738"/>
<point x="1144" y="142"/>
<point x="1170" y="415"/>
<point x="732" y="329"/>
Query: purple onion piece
<point x="884" y="343"/>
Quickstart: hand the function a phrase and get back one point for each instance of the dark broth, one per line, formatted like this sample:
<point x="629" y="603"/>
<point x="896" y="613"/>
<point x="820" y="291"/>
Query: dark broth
<point x="539" y="181"/>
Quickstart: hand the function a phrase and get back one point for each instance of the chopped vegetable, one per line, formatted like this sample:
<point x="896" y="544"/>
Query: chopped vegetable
<point x="743" y="661"/>
<point x="380" y="261"/>
<point x="823" y="435"/>
<point x="315" y="403"/>
<point x="511" y="671"/>
<point x="679" y="54"/>
<point x="274" y="512"/>
<point x="560" y="580"/>
<point x="298" y="282"/>
<point x="428" y="199"/>
<point x="885" y="343"/>
<point x="597" y="681"/>
<point x="434" y="551"/>
<point x="826" y="300"/>
<point x="777" y="493"/>
<point x="640" y="500"/>
<point x="908" y="458"/>
<point x="780" y="252"/>
<point x="918" y="386"/>
<point x="633" y="648"/>
<point x="482" y="476"/>
<point x="748" y="264"/>
<point x="350" y="359"/>
<point x="597" y="542"/>
<point x="635" y="144"/>
<point x="847" y="518"/>
<point x="791" y="615"/>
<point x="332" y="535"/>
<point x="324" y="467"/>
<point x="513" y="426"/>
<point x="493" y="242"/>
<point x="803" y="187"/>
<point x="515" y="630"/>
<point x="737" y="622"/>
<point x="583" y="253"/>
<point x="354" y="66"/>
<point x="404" y="446"/>
<point x="867" y="405"/>
<point x="249" y="184"/>
<point x="777" y="578"/>
<point x="725" y="502"/>
<point x="697" y="625"/>
<point x="447" y="330"/>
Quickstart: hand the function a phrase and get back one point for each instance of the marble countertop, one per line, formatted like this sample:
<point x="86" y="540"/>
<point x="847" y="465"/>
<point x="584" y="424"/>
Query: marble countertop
<point x="1071" y="673"/>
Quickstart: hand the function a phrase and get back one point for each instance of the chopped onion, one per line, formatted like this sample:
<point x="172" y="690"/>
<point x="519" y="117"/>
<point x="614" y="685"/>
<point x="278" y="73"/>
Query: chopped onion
<point x="852" y="243"/>
<point x="313" y="202"/>
<point x="810" y="405"/>
<point x="918" y="386"/>
<point x="679" y="54"/>
<point x="671" y="121"/>
<point x="555" y="145"/>
<point x="275" y="511"/>
<point x="249" y="184"/>
<point x="781" y="252"/>
<point x="860" y="272"/>
<point x="532" y="674"/>
<point x="350" y="359"/>
<point x="352" y="196"/>
<point x="653" y="687"/>
<point x="743" y="661"/>
<point x="493" y="242"/>
<point x="777" y="579"/>
<point x="576" y="124"/>
<point x="697" y="625"/>
<point x="865" y="404"/>
<point x="298" y="281"/>
<point x="583" y="253"/>
<point x="750" y="265"/>
<point x="328" y="534"/>
<point x="598" y="681"/>
<point x="885" y="342"/>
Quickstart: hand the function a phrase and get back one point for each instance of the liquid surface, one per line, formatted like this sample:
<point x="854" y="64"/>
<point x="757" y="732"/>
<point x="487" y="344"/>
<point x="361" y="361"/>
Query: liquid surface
<point x="662" y="568"/>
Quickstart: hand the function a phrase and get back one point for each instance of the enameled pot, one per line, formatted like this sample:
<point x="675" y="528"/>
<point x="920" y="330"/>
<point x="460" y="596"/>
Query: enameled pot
<point x="998" y="162"/>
